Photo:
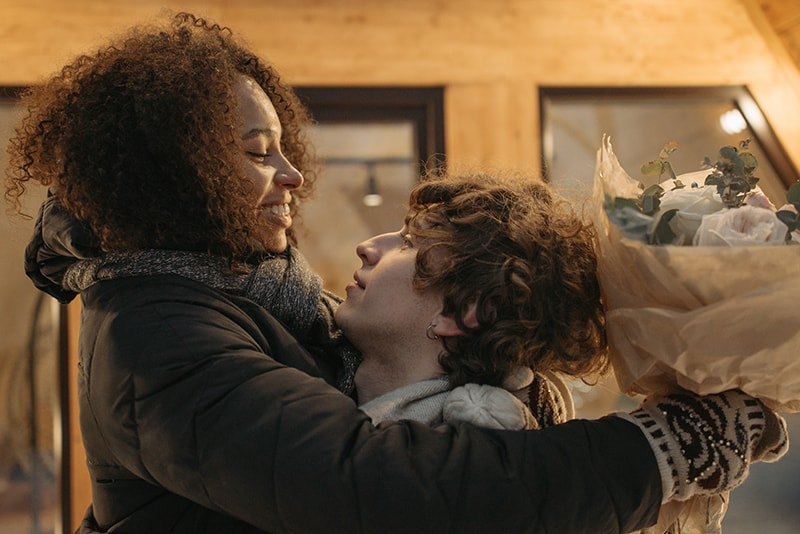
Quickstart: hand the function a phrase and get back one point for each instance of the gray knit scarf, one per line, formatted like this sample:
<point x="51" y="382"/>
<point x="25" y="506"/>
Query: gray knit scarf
<point x="283" y="284"/>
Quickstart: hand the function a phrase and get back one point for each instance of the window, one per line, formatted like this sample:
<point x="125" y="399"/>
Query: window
<point x="373" y="143"/>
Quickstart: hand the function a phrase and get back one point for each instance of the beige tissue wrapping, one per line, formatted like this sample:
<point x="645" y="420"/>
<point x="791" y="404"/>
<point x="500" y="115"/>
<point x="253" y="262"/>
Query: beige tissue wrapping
<point x="706" y="319"/>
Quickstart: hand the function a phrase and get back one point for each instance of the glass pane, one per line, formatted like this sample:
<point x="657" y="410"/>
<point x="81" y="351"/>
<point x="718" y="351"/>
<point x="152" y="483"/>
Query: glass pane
<point x="638" y="130"/>
<point x="28" y="378"/>
<point x="359" y="158"/>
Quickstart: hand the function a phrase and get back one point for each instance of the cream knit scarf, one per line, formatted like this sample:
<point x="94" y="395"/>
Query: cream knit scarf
<point x="526" y="401"/>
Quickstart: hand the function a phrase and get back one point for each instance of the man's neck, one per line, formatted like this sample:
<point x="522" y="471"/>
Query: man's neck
<point x="377" y="375"/>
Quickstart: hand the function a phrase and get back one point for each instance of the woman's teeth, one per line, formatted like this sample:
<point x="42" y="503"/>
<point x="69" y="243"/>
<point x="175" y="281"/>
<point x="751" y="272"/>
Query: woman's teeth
<point x="277" y="209"/>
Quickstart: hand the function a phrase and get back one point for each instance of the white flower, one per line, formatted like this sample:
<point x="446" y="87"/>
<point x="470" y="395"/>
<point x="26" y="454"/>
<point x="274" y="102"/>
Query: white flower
<point x="747" y="225"/>
<point x="700" y="200"/>
<point x="757" y="198"/>
<point x="692" y="204"/>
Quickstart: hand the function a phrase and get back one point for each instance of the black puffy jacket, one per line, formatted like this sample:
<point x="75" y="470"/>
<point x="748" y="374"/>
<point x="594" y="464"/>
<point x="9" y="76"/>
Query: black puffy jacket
<point x="200" y="413"/>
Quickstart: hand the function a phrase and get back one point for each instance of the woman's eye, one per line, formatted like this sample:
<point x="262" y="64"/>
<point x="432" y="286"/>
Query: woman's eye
<point x="258" y="157"/>
<point x="407" y="240"/>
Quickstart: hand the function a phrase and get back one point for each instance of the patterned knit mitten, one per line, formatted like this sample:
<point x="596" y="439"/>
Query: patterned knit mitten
<point x="704" y="444"/>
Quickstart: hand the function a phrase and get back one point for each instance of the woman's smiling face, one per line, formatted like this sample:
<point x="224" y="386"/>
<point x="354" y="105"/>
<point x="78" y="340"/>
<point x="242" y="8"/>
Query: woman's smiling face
<point x="273" y="176"/>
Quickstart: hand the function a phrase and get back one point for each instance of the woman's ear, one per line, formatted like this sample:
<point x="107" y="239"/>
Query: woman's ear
<point x="447" y="326"/>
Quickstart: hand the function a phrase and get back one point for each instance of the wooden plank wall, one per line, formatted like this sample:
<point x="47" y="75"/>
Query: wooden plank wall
<point x="784" y="18"/>
<point x="490" y="56"/>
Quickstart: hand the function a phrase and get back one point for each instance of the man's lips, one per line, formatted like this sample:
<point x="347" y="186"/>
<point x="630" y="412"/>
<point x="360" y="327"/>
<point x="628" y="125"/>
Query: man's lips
<point x="357" y="280"/>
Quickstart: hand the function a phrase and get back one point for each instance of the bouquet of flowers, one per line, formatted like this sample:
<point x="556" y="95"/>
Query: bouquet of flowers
<point x="700" y="274"/>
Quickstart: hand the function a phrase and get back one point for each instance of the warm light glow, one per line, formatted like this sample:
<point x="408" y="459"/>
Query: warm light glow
<point x="732" y="122"/>
<point x="372" y="200"/>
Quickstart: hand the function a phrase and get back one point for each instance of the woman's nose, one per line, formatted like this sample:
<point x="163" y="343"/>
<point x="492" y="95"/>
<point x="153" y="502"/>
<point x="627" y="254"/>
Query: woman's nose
<point x="288" y="176"/>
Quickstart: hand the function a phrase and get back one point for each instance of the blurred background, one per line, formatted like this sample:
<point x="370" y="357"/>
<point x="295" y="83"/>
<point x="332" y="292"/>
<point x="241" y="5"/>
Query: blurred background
<point x="396" y="87"/>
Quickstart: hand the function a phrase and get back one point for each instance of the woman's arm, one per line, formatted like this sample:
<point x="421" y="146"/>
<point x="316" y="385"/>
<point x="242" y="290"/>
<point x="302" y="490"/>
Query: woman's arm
<point x="222" y="424"/>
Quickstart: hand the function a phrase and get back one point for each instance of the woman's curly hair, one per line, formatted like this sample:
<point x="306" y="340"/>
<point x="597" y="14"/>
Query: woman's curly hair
<point x="508" y="244"/>
<point x="140" y="140"/>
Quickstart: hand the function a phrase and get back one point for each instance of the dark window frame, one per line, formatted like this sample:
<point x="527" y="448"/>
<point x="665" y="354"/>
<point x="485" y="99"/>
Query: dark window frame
<point x="424" y="106"/>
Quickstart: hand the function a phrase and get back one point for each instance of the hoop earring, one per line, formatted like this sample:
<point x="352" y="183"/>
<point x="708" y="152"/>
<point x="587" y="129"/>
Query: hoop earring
<point x="428" y="333"/>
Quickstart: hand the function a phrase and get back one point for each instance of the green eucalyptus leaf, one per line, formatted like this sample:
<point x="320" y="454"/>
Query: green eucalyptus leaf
<point x="728" y="152"/>
<point x="654" y="190"/>
<point x="739" y="187"/>
<point x="621" y="202"/>
<point x="663" y="234"/>
<point x="793" y="194"/>
<point x="750" y="161"/>
<point x="789" y="218"/>
<point x="650" y="199"/>
<point x="653" y="168"/>
<point x="650" y="204"/>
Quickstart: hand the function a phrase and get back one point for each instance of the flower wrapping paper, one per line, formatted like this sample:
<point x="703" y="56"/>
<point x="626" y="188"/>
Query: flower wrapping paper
<point x="704" y="318"/>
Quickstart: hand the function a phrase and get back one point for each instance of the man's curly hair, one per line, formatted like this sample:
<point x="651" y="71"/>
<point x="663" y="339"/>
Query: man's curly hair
<point x="507" y="243"/>
<point x="140" y="140"/>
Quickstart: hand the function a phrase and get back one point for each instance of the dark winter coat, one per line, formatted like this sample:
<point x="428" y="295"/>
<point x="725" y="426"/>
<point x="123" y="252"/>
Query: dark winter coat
<point x="199" y="414"/>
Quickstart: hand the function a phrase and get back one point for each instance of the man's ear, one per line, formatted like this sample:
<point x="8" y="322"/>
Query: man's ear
<point x="447" y="326"/>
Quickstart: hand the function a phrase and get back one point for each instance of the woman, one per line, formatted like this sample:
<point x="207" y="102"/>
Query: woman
<point x="200" y="411"/>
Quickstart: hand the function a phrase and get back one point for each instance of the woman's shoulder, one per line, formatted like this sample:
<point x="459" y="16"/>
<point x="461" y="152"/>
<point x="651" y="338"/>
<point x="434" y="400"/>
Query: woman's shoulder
<point x="167" y="310"/>
<point x="168" y="314"/>
<point x="134" y="292"/>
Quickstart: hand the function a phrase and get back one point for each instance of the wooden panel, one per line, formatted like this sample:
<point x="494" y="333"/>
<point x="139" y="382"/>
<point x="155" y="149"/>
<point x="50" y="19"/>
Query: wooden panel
<point x="777" y="90"/>
<point x="454" y="43"/>
<point x="80" y="488"/>
<point x="421" y="42"/>
<point x="783" y="15"/>
<point x="73" y="475"/>
<point x="483" y="128"/>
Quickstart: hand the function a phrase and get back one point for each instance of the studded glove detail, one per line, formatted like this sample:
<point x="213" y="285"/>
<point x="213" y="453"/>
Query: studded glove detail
<point x="704" y="444"/>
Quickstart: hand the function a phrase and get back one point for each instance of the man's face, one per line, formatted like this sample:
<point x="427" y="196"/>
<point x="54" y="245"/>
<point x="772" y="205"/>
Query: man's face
<point x="382" y="303"/>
